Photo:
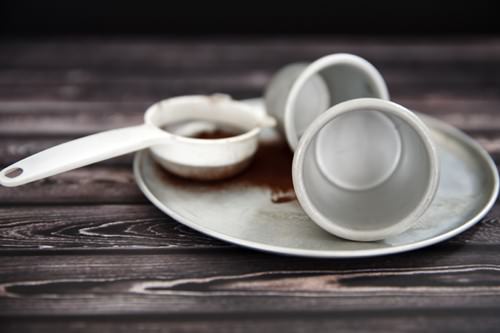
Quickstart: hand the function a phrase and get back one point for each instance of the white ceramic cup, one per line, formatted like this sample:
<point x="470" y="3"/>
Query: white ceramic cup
<point x="300" y="92"/>
<point x="365" y="169"/>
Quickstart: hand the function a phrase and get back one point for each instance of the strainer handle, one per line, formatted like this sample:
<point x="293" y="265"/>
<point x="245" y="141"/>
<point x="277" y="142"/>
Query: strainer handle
<point x="80" y="152"/>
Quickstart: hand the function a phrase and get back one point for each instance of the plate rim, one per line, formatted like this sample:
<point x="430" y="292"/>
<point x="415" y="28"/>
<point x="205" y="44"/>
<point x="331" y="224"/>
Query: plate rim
<point x="435" y="124"/>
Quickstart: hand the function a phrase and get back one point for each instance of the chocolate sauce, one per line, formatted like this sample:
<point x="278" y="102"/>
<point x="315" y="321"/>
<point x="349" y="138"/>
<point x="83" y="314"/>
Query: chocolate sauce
<point x="203" y="129"/>
<point x="271" y="168"/>
<point x="216" y="134"/>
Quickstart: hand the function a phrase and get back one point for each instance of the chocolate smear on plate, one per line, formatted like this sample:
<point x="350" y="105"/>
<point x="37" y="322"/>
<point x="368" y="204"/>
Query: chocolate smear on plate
<point x="271" y="168"/>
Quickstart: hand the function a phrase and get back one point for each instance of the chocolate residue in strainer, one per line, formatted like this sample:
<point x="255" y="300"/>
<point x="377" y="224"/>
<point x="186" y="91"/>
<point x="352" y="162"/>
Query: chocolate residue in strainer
<point x="217" y="134"/>
<point x="271" y="168"/>
<point x="203" y="129"/>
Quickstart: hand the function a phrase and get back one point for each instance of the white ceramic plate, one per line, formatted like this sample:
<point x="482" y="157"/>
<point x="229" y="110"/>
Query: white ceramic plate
<point x="243" y="213"/>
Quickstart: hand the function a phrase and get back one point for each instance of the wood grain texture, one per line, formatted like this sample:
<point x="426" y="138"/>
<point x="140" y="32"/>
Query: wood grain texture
<point x="96" y="184"/>
<point x="96" y="227"/>
<point x="85" y="251"/>
<point x="189" y="55"/>
<point x="59" y="118"/>
<point x="128" y="227"/>
<point x="457" y="81"/>
<point x="417" y="320"/>
<point x="235" y="281"/>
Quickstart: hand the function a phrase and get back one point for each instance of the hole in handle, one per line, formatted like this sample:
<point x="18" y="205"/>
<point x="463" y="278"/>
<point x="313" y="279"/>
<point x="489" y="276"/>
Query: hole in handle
<point x="13" y="173"/>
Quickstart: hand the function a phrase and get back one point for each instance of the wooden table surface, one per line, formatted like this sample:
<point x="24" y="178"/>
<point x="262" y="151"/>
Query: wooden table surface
<point x="85" y="250"/>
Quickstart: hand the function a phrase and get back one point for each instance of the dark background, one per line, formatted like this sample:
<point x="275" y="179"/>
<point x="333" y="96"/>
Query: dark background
<point x="188" y="18"/>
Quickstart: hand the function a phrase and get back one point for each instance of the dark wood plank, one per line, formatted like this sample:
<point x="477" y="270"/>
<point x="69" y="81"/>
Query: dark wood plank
<point x="148" y="71"/>
<point x="98" y="227"/>
<point x="418" y="320"/>
<point x="104" y="259"/>
<point x="98" y="184"/>
<point x="452" y="72"/>
<point x="249" y="85"/>
<point x="55" y="118"/>
<point x="138" y="226"/>
<point x="251" y="75"/>
<point x="138" y="91"/>
<point x="66" y="118"/>
<point x="233" y="281"/>
<point x="190" y="55"/>
<point x="128" y="227"/>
